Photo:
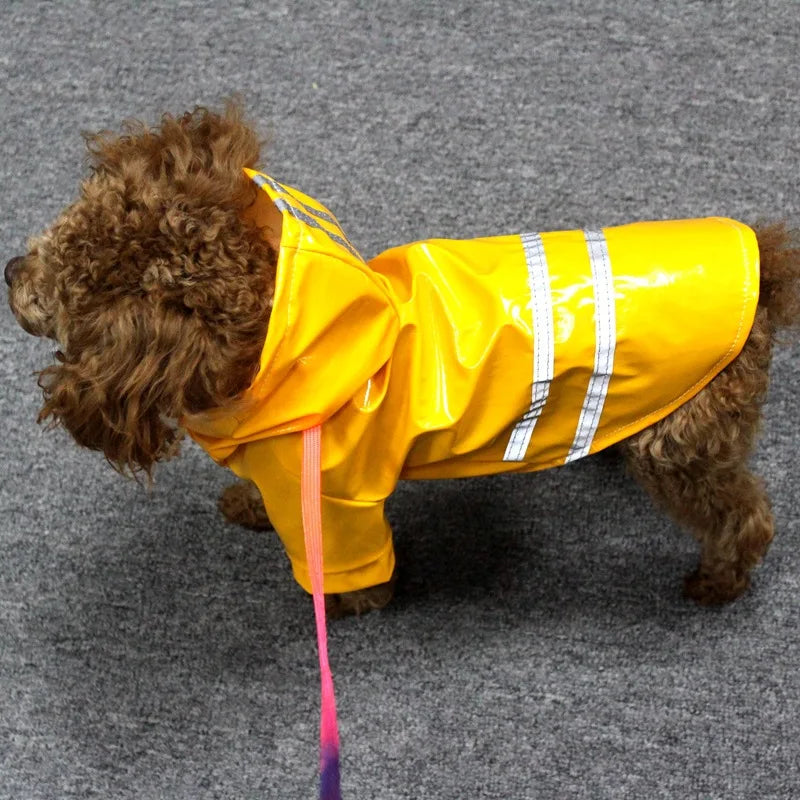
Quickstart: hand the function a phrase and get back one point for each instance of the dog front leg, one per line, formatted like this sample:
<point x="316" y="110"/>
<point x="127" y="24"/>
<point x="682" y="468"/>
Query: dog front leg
<point x="241" y="504"/>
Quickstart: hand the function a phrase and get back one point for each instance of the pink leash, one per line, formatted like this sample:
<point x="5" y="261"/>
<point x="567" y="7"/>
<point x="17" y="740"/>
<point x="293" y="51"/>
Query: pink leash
<point x="310" y="485"/>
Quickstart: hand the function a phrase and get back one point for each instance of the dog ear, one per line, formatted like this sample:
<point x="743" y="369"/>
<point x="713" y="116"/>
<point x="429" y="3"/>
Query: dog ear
<point x="126" y="377"/>
<point x="114" y="391"/>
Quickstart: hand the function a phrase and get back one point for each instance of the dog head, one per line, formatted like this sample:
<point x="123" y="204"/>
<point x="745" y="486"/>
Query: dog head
<point x="154" y="285"/>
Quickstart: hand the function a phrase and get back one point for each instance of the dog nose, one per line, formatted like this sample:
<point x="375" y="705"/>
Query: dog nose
<point x="12" y="268"/>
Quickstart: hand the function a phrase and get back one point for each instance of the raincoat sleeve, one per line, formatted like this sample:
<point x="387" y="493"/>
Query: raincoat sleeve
<point x="357" y="540"/>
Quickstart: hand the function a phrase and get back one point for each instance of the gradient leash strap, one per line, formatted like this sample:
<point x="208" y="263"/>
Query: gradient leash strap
<point x="329" y="787"/>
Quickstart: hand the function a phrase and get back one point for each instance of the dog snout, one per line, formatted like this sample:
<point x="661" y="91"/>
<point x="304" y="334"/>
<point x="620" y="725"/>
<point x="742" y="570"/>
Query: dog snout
<point x="12" y="268"/>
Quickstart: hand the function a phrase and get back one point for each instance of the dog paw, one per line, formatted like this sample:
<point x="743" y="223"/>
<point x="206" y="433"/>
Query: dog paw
<point x="241" y="504"/>
<point x="347" y="604"/>
<point x="715" y="589"/>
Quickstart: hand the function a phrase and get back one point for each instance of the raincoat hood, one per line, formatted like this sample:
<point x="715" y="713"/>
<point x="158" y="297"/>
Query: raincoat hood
<point x="309" y="370"/>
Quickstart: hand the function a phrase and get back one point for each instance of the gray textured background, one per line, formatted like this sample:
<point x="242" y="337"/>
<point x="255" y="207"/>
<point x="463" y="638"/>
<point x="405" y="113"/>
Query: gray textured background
<point x="539" y="646"/>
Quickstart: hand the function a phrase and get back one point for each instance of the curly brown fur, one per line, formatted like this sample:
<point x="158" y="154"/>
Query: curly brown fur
<point x="694" y="462"/>
<point x="155" y="288"/>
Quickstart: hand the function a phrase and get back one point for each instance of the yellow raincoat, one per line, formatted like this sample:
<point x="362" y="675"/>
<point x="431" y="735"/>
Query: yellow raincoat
<point x="448" y="358"/>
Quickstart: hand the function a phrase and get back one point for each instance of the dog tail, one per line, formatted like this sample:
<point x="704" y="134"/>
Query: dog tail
<point x="779" y="250"/>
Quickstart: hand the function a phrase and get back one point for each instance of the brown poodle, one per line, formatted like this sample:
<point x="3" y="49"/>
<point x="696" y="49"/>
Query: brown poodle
<point x="158" y="291"/>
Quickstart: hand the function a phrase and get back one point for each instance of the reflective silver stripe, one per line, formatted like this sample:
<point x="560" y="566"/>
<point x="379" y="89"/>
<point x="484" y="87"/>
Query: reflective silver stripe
<point x="281" y="189"/>
<point x="285" y="205"/>
<point x="282" y="205"/>
<point x="605" y="326"/>
<point x="543" y="345"/>
<point x="261" y="180"/>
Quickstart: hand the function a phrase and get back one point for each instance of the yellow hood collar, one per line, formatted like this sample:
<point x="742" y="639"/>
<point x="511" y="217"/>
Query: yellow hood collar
<point x="332" y="327"/>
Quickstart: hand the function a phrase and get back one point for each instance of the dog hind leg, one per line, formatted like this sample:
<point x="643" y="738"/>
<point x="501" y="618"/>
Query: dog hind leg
<point x="693" y="463"/>
<point x="726" y="509"/>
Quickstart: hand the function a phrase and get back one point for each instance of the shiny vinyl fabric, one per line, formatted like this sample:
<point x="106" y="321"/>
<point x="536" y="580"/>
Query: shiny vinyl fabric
<point x="449" y="358"/>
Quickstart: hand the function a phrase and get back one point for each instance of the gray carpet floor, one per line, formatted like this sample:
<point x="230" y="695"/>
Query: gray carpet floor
<point x="539" y="646"/>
